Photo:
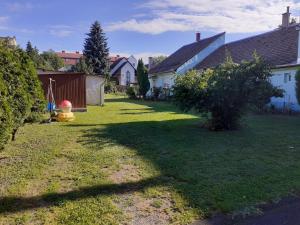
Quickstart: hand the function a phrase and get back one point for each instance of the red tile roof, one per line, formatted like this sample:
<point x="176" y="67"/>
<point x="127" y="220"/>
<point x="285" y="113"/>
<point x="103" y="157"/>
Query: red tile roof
<point x="69" y="55"/>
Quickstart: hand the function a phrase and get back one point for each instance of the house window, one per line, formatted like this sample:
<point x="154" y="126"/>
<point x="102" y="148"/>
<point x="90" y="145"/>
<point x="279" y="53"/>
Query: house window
<point x="127" y="78"/>
<point x="287" y="77"/>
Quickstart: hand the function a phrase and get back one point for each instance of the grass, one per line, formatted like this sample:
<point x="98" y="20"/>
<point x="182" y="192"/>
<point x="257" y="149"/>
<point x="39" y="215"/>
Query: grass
<point x="135" y="161"/>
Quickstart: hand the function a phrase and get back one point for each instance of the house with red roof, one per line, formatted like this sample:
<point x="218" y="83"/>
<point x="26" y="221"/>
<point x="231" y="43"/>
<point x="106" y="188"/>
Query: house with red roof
<point x="70" y="58"/>
<point x="280" y="48"/>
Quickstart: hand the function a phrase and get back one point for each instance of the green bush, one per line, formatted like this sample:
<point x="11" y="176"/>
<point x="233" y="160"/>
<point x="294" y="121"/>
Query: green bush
<point x="21" y="92"/>
<point x="110" y="87"/>
<point x="225" y="93"/>
<point x="131" y="92"/>
<point x="5" y="115"/>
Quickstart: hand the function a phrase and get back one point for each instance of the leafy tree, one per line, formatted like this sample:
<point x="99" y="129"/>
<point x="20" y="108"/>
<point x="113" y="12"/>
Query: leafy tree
<point x="51" y="61"/>
<point x="48" y="60"/>
<point x="82" y="67"/>
<point x="298" y="86"/>
<point x="157" y="60"/>
<point x="142" y="77"/>
<point x="95" y="51"/>
<point x="225" y="93"/>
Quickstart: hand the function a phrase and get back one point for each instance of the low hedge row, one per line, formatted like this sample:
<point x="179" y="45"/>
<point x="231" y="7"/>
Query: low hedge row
<point x="21" y="93"/>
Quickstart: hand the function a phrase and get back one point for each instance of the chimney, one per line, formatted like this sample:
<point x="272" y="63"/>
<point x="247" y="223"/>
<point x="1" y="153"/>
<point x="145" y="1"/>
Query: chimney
<point x="150" y="63"/>
<point x="198" y="36"/>
<point x="77" y="52"/>
<point x="63" y="51"/>
<point x="286" y="17"/>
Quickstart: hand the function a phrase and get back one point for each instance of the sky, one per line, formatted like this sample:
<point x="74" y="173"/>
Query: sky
<point x="137" y="27"/>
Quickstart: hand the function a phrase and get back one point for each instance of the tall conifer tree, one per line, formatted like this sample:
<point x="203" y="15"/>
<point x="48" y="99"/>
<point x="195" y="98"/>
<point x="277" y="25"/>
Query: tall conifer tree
<point x="95" y="51"/>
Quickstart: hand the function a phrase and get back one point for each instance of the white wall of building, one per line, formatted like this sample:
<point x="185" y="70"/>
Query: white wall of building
<point x="127" y="69"/>
<point x="133" y="61"/>
<point x="94" y="90"/>
<point x="285" y="79"/>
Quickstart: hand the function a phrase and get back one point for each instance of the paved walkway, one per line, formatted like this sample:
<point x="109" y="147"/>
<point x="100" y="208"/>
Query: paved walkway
<point x="286" y="212"/>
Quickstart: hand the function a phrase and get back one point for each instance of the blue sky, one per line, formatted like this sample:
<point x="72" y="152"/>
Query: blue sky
<point x="139" y="27"/>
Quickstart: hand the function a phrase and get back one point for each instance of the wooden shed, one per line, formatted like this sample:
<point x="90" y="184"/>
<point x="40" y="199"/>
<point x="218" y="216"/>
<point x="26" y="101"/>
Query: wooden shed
<point x="66" y="85"/>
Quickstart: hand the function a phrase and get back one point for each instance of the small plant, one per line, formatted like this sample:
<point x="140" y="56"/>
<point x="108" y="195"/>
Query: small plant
<point x="110" y="87"/>
<point x="131" y="92"/>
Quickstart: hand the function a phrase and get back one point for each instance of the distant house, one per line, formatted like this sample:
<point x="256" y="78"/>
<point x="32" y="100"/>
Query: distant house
<point x="279" y="47"/>
<point x="70" y="58"/>
<point x="123" y="71"/>
<point x="10" y="40"/>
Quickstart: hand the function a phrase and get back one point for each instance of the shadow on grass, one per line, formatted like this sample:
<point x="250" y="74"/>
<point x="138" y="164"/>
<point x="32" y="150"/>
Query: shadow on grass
<point x="221" y="171"/>
<point x="17" y="204"/>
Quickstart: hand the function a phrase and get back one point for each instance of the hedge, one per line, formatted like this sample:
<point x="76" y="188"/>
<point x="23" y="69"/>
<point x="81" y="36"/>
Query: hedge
<point x="21" y="92"/>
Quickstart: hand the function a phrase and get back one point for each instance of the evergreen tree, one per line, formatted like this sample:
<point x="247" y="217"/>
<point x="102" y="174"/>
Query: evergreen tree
<point x="142" y="77"/>
<point x="95" y="51"/>
<point x="33" y="53"/>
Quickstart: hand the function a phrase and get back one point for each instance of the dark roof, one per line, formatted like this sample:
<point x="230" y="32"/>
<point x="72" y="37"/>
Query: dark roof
<point x="120" y="67"/>
<point x="116" y="62"/>
<point x="277" y="47"/>
<point x="182" y="55"/>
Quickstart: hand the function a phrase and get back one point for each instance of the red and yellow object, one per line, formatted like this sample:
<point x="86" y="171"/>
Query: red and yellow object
<point x="66" y="115"/>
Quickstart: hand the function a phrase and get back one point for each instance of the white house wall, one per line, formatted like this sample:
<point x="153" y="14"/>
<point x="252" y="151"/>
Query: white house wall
<point x="125" y="68"/>
<point x="289" y="100"/>
<point x="133" y="61"/>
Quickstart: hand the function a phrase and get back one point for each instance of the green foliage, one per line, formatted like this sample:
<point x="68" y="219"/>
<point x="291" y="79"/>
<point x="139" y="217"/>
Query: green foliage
<point x="47" y="60"/>
<point x="95" y="51"/>
<point x="298" y="85"/>
<point x="225" y="93"/>
<point x="110" y="86"/>
<point x="51" y="61"/>
<point x="157" y="60"/>
<point x="82" y="67"/>
<point x="21" y="91"/>
<point x="5" y="115"/>
<point x="131" y="92"/>
<point x="142" y="78"/>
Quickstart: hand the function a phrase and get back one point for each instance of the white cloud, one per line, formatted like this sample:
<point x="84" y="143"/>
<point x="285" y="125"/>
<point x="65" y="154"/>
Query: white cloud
<point x="61" y="31"/>
<point x="140" y="55"/>
<point x="235" y="16"/>
<point x="18" y="7"/>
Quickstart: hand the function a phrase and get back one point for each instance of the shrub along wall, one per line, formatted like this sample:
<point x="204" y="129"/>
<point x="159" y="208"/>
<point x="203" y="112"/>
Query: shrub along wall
<point x="21" y="94"/>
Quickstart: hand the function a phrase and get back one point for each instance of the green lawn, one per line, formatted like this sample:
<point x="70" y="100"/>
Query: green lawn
<point x="134" y="162"/>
